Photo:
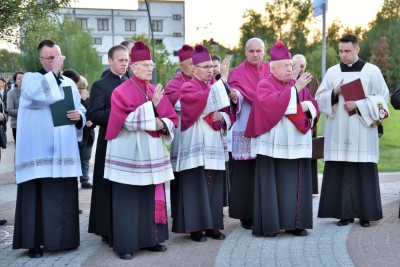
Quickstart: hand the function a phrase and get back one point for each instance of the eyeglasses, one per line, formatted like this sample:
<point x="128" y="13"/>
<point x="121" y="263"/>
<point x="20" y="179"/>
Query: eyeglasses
<point x="50" y="59"/>
<point x="146" y="65"/>
<point x="206" y="67"/>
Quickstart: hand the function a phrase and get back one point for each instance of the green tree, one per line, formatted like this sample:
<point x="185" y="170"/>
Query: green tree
<point x="9" y="61"/>
<point x="81" y="56"/>
<point x="15" y="13"/>
<point x="314" y="59"/>
<point x="386" y="24"/>
<point x="288" y="21"/>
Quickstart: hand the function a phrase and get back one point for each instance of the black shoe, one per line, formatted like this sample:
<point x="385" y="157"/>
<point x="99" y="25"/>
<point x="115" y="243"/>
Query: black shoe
<point x="364" y="223"/>
<point x="126" y="256"/>
<point x="86" y="185"/>
<point x="247" y="224"/>
<point x="156" y="248"/>
<point x="198" y="236"/>
<point x="297" y="232"/>
<point x="105" y="239"/>
<point x="35" y="253"/>
<point x="344" y="222"/>
<point x="3" y="222"/>
<point x="215" y="234"/>
<point x="271" y="235"/>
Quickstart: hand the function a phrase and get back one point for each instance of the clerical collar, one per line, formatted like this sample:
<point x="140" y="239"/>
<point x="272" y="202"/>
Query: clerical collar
<point x="355" y="67"/>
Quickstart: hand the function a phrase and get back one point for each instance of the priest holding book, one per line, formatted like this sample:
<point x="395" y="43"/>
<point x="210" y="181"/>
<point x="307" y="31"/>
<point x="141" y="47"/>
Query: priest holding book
<point x="47" y="161"/>
<point x="350" y="187"/>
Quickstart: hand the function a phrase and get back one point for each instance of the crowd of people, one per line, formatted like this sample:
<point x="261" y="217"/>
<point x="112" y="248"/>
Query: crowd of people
<point x="240" y="138"/>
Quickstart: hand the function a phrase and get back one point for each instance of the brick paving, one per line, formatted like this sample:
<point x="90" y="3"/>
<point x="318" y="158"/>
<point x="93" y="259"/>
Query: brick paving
<point x="326" y="244"/>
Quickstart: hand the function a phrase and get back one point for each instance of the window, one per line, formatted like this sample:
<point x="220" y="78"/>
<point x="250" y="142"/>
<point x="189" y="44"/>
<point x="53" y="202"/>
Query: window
<point x="158" y="41"/>
<point x="97" y="41"/>
<point x="102" y="24"/>
<point x="176" y="53"/>
<point x="176" y="17"/>
<point x="157" y="25"/>
<point x="177" y="34"/>
<point x="130" y="25"/>
<point x="83" y="23"/>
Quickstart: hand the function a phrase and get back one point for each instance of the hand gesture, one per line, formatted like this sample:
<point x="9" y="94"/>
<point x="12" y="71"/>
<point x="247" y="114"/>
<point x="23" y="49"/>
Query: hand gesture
<point x="296" y="71"/>
<point x="302" y="81"/>
<point x="158" y="95"/>
<point x="58" y="63"/>
<point x="225" y="68"/>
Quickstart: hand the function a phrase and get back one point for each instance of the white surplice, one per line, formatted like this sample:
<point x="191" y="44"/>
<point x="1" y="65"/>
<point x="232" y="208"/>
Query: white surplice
<point x="201" y="145"/>
<point x="137" y="158"/>
<point x="347" y="138"/>
<point x="284" y="140"/>
<point x="43" y="150"/>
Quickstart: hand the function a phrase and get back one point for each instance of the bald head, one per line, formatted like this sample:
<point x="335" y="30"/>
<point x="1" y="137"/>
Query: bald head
<point x="255" y="51"/>
<point x="300" y="61"/>
<point x="256" y="41"/>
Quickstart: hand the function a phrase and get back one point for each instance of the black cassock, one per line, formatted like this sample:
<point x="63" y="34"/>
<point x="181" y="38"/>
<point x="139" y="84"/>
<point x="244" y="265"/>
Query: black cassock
<point x="47" y="214"/>
<point x="350" y="190"/>
<point x="282" y="195"/>
<point x="99" y="111"/>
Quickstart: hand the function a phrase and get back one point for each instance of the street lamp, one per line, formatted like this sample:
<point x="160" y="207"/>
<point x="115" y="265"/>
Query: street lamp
<point x="152" y="43"/>
<point x="65" y="39"/>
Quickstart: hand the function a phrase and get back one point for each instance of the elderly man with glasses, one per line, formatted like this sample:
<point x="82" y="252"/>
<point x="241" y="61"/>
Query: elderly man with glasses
<point x="205" y="119"/>
<point x="138" y="164"/>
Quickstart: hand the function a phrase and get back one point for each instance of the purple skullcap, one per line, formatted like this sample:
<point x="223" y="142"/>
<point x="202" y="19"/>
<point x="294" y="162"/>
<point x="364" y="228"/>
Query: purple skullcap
<point x="185" y="52"/>
<point x="279" y="51"/>
<point x="200" y="54"/>
<point x="139" y="52"/>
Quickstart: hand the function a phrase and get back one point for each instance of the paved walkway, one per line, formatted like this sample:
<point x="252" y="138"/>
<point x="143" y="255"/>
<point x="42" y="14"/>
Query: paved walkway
<point x="326" y="244"/>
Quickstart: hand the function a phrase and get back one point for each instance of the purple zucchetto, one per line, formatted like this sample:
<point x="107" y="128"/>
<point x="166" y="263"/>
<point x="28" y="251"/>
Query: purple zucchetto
<point x="185" y="52"/>
<point x="279" y="52"/>
<point x="200" y="54"/>
<point x="139" y="52"/>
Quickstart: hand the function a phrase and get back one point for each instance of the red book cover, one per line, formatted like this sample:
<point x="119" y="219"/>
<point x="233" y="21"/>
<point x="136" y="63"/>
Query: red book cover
<point x="353" y="91"/>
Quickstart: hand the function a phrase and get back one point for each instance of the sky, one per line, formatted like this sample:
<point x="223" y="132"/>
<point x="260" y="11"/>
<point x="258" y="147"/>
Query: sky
<point x="221" y="19"/>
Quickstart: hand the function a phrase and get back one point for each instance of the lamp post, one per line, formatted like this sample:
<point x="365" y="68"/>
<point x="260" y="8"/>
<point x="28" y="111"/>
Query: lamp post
<point x="65" y="40"/>
<point x="154" y="77"/>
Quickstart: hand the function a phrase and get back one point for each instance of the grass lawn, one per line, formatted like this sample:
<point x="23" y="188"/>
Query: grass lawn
<point x="389" y="144"/>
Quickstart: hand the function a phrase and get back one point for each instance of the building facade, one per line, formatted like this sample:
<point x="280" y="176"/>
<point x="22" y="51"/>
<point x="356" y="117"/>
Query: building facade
<point x="109" y="27"/>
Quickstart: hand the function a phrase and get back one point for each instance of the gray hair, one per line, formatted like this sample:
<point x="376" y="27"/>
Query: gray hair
<point x="254" y="39"/>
